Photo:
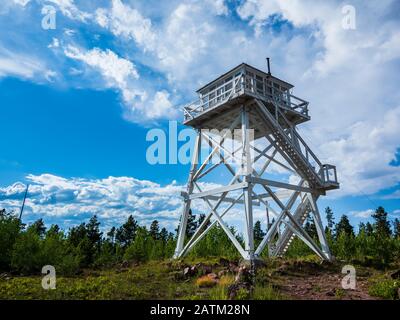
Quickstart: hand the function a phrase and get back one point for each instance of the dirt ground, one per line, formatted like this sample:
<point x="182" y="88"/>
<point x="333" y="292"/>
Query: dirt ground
<point x="319" y="282"/>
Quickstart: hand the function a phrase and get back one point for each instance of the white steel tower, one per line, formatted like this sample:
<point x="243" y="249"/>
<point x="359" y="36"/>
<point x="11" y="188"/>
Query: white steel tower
<point x="272" y="171"/>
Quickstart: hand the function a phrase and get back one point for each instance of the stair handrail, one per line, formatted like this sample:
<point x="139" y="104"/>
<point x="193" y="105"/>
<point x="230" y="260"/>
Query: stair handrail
<point x="291" y="140"/>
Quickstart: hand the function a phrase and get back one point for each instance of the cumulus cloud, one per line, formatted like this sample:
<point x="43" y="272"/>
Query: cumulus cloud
<point x="112" y="199"/>
<point x="188" y="41"/>
<point x="325" y="20"/>
<point x="116" y="70"/>
<point x="68" y="201"/>
<point x="125" y="21"/>
<point x="363" y="155"/>
<point x="121" y="74"/>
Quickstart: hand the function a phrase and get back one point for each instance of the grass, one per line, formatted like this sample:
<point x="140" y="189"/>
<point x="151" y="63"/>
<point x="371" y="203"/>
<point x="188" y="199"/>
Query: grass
<point x="205" y="282"/>
<point x="153" y="280"/>
<point x="164" y="280"/>
<point x="266" y="292"/>
<point x="383" y="287"/>
<point x="220" y="291"/>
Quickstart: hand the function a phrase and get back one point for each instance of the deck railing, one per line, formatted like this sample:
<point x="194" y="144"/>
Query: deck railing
<point x="241" y="84"/>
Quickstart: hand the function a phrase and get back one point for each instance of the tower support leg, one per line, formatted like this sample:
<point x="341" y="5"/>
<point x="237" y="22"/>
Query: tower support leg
<point x="320" y="228"/>
<point x="247" y="168"/>
<point x="187" y="201"/>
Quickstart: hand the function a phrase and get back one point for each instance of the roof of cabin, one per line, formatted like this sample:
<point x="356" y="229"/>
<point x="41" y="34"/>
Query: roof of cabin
<point x="249" y="66"/>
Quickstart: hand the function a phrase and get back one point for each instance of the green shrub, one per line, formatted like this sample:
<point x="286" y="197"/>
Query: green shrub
<point x="384" y="288"/>
<point x="26" y="254"/>
<point x="139" y="249"/>
<point x="10" y="227"/>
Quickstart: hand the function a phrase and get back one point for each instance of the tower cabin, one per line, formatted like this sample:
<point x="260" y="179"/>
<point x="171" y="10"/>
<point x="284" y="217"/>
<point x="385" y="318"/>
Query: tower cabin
<point x="274" y="111"/>
<point x="220" y="100"/>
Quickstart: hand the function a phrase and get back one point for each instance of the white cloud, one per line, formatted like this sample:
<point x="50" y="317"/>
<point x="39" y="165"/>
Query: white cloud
<point x="325" y="18"/>
<point x="363" y="155"/>
<point x="19" y="65"/>
<point x="7" y="5"/>
<point x="116" y="70"/>
<point x="54" y="44"/>
<point x="178" y="44"/>
<point x="22" y="2"/>
<point x="218" y="6"/>
<point x="125" y="21"/>
<point x="69" y="9"/>
<point x="112" y="199"/>
<point x="394" y="195"/>
<point x="122" y="74"/>
<point x="50" y="75"/>
<point x="365" y="214"/>
<point x="69" y="32"/>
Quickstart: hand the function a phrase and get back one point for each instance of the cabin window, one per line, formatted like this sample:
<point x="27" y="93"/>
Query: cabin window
<point x="211" y="95"/>
<point x="259" y="85"/>
<point x="228" y="79"/>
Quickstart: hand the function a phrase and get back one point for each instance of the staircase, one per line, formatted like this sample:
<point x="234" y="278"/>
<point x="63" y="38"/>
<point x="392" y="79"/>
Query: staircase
<point x="294" y="149"/>
<point x="297" y="153"/>
<point x="285" y="240"/>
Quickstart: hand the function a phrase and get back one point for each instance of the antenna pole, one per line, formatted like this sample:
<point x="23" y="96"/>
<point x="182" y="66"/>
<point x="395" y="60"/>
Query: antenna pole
<point x="269" y="67"/>
<point x="23" y="202"/>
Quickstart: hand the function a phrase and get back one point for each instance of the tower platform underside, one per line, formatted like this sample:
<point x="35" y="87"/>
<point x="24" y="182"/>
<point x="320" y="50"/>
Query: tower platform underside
<point x="221" y="116"/>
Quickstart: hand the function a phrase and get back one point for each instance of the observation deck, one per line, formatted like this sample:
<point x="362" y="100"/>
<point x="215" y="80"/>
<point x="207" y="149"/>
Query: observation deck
<point x="220" y="100"/>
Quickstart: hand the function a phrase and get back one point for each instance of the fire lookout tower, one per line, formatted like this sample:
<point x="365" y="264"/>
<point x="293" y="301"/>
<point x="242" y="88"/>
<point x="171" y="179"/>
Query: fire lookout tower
<point x="273" y="173"/>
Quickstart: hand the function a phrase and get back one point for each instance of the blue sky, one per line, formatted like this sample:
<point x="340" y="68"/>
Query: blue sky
<point x="77" y="102"/>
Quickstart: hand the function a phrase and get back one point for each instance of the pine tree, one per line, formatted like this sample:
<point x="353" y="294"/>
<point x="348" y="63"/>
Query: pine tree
<point x="310" y="228"/>
<point x="38" y="227"/>
<point x="202" y="217"/>
<point x="10" y="228"/>
<point x="155" y="230"/>
<point x="369" y="230"/>
<point x="77" y="234"/>
<point x="93" y="233"/>
<point x="362" y="228"/>
<point x="344" y="226"/>
<point x="396" y="228"/>
<point x="111" y="235"/>
<point x="139" y="249"/>
<point x="329" y="218"/>
<point x="127" y="232"/>
<point x="164" y="235"/>
<point x="191" y="225"/>
<point x="53" y="230"/>
<point x="381" y="225"/>
<point x="258" y="232"/>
